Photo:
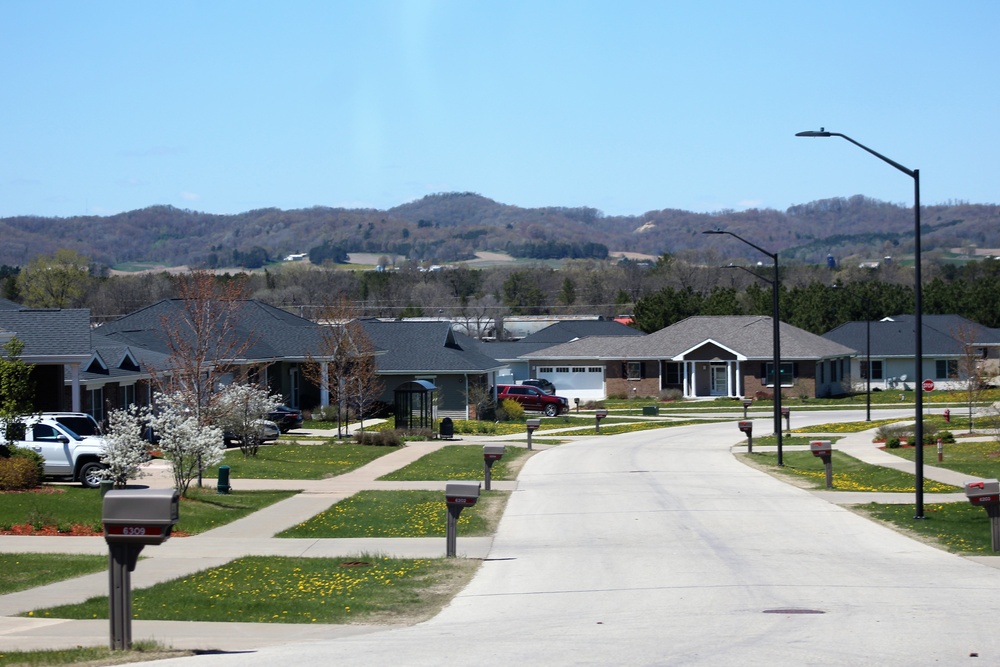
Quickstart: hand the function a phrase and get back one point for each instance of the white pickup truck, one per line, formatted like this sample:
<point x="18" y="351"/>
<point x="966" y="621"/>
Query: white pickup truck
<point x="70" y="442"/>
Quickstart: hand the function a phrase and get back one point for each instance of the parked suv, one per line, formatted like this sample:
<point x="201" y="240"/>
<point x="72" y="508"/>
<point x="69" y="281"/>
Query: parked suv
<point x="544" y="385"/>
<point x="70" y="442"/>
<point x="532" y="398"/>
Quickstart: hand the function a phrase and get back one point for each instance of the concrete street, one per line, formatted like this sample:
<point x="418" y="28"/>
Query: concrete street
<point x="650" y="548"/>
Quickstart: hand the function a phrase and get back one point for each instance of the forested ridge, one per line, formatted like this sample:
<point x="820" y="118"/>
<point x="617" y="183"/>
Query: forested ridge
<point x="452" y="227"/>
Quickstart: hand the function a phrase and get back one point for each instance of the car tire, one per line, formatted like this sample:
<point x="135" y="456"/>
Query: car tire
<point x="551" y="410"/>
<point x="90" y="475"/>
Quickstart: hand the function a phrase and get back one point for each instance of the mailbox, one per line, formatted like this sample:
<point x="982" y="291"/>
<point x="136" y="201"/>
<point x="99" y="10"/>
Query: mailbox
<point x="533" y="424"/>
<point x="820" y="447"/>
<point x="947" y="416"/>
<point x="601" y="414"/>
<point x="139" y="516"/>
<point x="461" y="494"/>
<point x="784" y="411"/>
<point x="986" y="492"/>
<point x="746" y="427"/>
<point x="747" y="402"/>
<point x="492" y="452"/>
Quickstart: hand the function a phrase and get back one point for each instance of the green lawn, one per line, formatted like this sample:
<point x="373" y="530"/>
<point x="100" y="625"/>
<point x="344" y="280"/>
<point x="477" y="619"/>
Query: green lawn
<point x="400" y="514"/>
<point x="258" y="589"/>
<point x="977" y="459"/>
<point x="29" y="570"/>
<point x="849" y="474"/>
<point x="458" y="462"/>
<point x="67" y="506"/>
<point x="957" y="527"/>
<point x="296" y="461"/>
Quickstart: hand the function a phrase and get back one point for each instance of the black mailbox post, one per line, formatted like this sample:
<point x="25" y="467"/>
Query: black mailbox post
<point x="457" y="496"/>
<point x="132" y="519"/>
<point x="986" y="494"/>
<point x="598" y="416"/>
<point x="747" y="427"/>
<point x="532" y="426"/>
<point x="824" y="450"/>
<point x="491" y="454"/>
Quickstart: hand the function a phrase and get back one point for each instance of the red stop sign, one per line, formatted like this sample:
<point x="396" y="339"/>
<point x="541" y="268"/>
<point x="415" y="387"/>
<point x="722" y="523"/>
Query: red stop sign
<point x="928" y="385"/>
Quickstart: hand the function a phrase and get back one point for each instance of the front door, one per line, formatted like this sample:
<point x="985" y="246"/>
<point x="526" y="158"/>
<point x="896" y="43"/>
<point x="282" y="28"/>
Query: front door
<point x="720" y="385"/>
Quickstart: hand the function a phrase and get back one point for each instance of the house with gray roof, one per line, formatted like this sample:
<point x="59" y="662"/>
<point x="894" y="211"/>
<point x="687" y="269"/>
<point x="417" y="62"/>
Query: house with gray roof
<point x="272" y="340"/>
<point x="515" y="354"/>
<point x="700" y="356"/>
<point x="431" y="351"/>
<point x="57" y="343"/>
<point x="950" y="343"/>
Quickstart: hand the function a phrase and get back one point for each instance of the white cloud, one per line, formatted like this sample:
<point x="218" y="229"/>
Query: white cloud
<point x="190" y="196"/>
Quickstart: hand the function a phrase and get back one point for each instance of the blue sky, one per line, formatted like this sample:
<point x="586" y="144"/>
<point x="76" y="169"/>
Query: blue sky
<point x="624" y="106"/>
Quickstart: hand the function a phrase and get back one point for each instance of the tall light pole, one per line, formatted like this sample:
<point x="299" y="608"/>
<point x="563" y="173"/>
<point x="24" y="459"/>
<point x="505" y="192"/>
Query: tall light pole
<point x="918" y="307"/>
<point x="777" y="334"/>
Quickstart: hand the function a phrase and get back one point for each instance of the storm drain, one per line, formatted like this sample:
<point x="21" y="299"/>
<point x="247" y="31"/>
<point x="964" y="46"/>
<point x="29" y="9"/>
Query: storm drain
<point x="793" y="611"/>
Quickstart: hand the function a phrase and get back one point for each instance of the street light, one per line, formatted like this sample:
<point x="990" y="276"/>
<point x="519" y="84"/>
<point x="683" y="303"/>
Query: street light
<point x="777" y="334"/>
<point x="918" y="307"/>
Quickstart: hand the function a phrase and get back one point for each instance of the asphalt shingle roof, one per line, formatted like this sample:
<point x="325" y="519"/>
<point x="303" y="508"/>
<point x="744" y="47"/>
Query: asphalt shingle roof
<point x="49" y="332"/>
<point x="749" y="335"/>
<point x="424" y="347"/>
<point x="894" y="336"/>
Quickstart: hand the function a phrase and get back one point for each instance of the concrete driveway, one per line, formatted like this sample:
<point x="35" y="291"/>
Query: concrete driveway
<point x="660" y="548"/>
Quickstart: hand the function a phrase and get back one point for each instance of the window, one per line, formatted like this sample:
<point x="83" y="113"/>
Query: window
<point x="876" y="370"/>
<point x="595" y="369"/>
<point x="545" y="369"/>
<point x="562" y="369"/>
<point x="126" y="395"/>
<point x="672" y="373"/>
<point x="97" y="403"/>
<point x="787" y="373"/>
<point x="579" y="369"/>
<point x="633" y="370"/>
<point x="946" y="369"/>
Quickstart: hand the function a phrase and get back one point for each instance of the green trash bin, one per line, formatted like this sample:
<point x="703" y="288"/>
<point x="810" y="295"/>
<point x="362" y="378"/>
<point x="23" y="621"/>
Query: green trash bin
<point x="651" y="410"/>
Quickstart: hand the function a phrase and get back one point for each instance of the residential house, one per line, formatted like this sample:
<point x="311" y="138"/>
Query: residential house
<point x="431" y="351"/>
<point x="57" y="343"/>
<point x="948" y="340"/>
<point x="699" y="356"/>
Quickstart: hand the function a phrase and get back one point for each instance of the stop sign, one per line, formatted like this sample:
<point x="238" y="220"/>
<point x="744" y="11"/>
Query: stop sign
<point x="928" y="385"/>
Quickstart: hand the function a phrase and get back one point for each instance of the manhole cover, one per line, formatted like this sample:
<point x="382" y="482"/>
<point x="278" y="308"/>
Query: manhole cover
<point x="793" y="611"/>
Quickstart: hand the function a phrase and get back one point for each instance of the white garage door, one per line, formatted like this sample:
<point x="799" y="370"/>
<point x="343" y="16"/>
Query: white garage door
<point x="583" y="382"/>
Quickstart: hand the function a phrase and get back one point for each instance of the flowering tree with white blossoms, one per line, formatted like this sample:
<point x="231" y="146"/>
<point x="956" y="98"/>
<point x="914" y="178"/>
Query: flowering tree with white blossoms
<point x="125" y="450"/>
<point x="241" y="407"/>
<point x="189" y="446"/>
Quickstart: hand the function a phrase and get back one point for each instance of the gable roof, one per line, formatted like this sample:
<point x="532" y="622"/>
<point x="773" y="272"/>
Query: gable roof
<point x="424" y="347"/>
<point x="565" y="331"/>
<point x="750" y="336"/>
<point x="53" y="335"/>
<point x="894" y="336"/>
<point x="273" y="333"/>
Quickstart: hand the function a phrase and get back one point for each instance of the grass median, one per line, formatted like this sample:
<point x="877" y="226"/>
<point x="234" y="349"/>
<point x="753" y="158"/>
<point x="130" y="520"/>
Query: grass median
<point x="849" y="474"/>
<point x="295" y="461"/>
<point x="976" y="459"/>
<point x="256" y="589"/>
<point x="72" y="510"/>
<point x="463" y="462"/>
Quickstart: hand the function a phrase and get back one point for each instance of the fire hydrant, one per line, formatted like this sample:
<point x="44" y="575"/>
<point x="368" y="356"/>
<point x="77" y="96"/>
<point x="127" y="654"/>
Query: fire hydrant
<point x="947" y="416"/>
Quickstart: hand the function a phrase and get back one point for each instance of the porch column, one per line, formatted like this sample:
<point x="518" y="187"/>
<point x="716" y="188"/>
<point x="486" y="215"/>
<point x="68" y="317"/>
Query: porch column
<point x="687" y="384"/>
<point x="324" y="389"/>
<point x="74" y="370"/>
<point x="730" y="380"/>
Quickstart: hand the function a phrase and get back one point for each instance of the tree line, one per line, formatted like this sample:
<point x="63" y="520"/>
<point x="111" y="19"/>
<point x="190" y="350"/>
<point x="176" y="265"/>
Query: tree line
<point x="657" y="294"/>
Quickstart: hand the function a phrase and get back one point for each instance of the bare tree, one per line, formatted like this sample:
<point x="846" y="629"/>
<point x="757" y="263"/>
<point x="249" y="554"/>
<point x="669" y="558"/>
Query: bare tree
<point x="971" y="369"/>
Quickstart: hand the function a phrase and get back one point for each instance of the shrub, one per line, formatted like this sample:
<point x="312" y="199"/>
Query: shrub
<point x="378" y="438"/>
<point x="892" y="443"/>
<point x="510" y="411"/>
<point x="671" y="394"/>
<point x="325" y="413"/>
<point x="947" y="437"/>
<point x="18" y="473"/>
<point x="763" y="395"/>
<point x="888" y="431"/>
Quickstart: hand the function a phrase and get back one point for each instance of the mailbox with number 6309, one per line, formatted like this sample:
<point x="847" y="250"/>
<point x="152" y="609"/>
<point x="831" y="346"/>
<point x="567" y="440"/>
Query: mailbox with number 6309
<point x="985" y="492"/>
<point x="141" y="516"/>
